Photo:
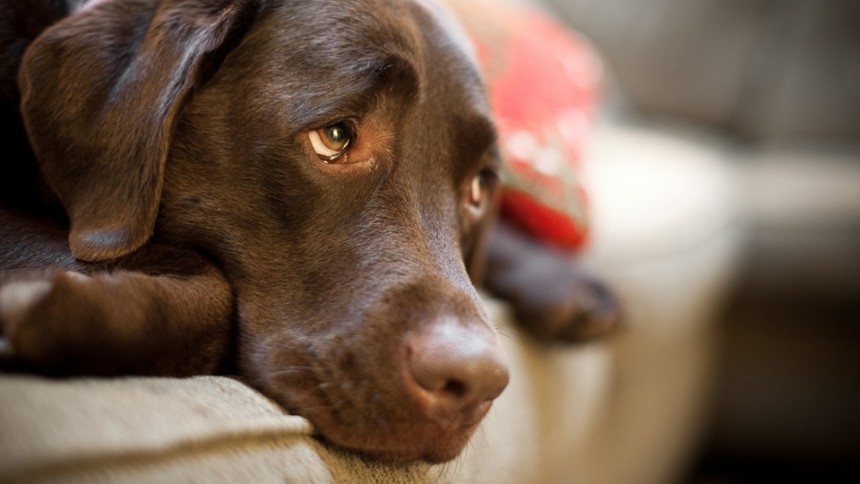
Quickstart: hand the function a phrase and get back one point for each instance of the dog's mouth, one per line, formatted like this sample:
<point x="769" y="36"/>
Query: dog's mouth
<point x="423" y="402"/>
<point x="397" y="428"/>
<point x="408" y="379"/>
<point x="431" y="441"/>
<point x="430" y="435"/>
<point x="445" y="447"/>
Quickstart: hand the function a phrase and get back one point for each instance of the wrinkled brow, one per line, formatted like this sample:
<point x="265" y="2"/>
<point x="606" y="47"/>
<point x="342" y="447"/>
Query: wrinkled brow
<point x="353" y="90"/>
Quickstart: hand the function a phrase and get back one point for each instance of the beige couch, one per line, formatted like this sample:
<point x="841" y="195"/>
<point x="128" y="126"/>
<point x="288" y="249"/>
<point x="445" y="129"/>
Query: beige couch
<point x="781" y="82"/>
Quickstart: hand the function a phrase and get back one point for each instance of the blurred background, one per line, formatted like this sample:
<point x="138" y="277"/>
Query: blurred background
<point x="771" y="88"/>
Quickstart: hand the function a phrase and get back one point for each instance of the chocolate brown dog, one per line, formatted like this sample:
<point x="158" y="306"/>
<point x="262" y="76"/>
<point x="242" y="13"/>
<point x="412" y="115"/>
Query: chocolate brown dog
<point x="301" y="187"/>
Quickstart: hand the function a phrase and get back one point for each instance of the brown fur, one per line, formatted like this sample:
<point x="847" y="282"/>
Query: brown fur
<point x="195" y="214"/>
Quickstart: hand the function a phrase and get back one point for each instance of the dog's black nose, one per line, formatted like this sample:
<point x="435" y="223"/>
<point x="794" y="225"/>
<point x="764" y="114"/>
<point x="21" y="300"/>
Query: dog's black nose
<point x="456" y="370"/>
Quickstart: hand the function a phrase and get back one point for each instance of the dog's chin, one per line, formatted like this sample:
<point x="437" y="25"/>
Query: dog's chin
<point x="414" y="436"/>
<point x="418" y="446"/>
<point x="426" y="437"/>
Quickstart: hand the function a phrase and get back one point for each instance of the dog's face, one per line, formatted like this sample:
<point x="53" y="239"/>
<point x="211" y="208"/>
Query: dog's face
<point x="337" y="162"/>
<point x="338" y="168"/>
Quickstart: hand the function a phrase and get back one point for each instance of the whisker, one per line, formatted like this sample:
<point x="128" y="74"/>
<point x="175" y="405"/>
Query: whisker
<point x="509" y="332"/>
<point x="293" y="369"/>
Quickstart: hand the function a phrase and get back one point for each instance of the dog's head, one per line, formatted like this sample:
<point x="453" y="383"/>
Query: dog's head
<point x="336" y="159"/>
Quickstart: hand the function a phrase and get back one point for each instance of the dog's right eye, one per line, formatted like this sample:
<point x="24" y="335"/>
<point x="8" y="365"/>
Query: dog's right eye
<point x="332" y="142"/>
<point x="479" y="187"/>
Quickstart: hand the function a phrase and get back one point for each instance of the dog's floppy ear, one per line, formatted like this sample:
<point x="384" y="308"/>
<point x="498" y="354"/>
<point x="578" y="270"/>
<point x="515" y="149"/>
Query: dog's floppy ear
<point x="100" y="93"/>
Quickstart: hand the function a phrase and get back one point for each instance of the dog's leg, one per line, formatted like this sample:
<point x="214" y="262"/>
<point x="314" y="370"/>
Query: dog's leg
<point x="552" y="296"/>
<point x="169" y="318"/>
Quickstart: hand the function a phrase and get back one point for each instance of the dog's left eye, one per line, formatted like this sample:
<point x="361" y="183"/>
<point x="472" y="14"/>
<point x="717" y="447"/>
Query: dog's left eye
<point x="479" y="187"/>
<point x="331" y="142"/>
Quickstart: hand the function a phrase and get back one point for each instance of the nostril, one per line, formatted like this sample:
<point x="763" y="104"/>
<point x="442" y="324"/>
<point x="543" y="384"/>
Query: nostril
<point x="455" y="388"/>
<point x="456" y="367"/>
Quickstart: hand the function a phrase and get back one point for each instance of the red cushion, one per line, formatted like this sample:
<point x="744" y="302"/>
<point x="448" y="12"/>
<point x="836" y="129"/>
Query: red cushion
<point x="543" y="83"/>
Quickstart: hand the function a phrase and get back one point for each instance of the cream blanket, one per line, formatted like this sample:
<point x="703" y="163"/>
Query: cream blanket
<point x="216" y="429"/>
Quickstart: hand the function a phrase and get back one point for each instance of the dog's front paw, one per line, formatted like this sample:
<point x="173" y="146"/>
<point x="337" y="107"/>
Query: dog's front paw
<point x="565" y="304"/>
<point x="40" y="318"/>
<point x="552" y="297"/>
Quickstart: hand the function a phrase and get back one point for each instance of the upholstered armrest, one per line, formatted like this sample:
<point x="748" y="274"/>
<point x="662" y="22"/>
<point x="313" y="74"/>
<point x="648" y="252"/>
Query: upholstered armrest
<point x="216" y="429"/>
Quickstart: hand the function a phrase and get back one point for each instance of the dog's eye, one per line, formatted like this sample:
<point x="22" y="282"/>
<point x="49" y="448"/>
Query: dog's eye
<point x="479" y="187"/>
<point x="332" y="141"/>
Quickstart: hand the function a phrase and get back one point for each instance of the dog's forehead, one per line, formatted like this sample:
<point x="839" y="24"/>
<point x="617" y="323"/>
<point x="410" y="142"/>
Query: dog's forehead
<point x="354" y="27"/>
<point x="445" y="20"/>
<point x="443" y="33"/>
<point x="351" y="39"/>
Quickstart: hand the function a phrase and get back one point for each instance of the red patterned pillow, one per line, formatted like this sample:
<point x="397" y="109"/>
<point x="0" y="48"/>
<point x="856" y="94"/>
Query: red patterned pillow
<point x="543" y="85"/>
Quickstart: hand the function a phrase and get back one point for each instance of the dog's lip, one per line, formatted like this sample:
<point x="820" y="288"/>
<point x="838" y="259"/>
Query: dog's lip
<point x="426" y="439"/>
<point x="433" y="440"/>
<point x="439" y="448"/>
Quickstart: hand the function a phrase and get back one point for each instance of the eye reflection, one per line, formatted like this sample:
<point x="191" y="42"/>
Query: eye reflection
<point x="331" y="142"/>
